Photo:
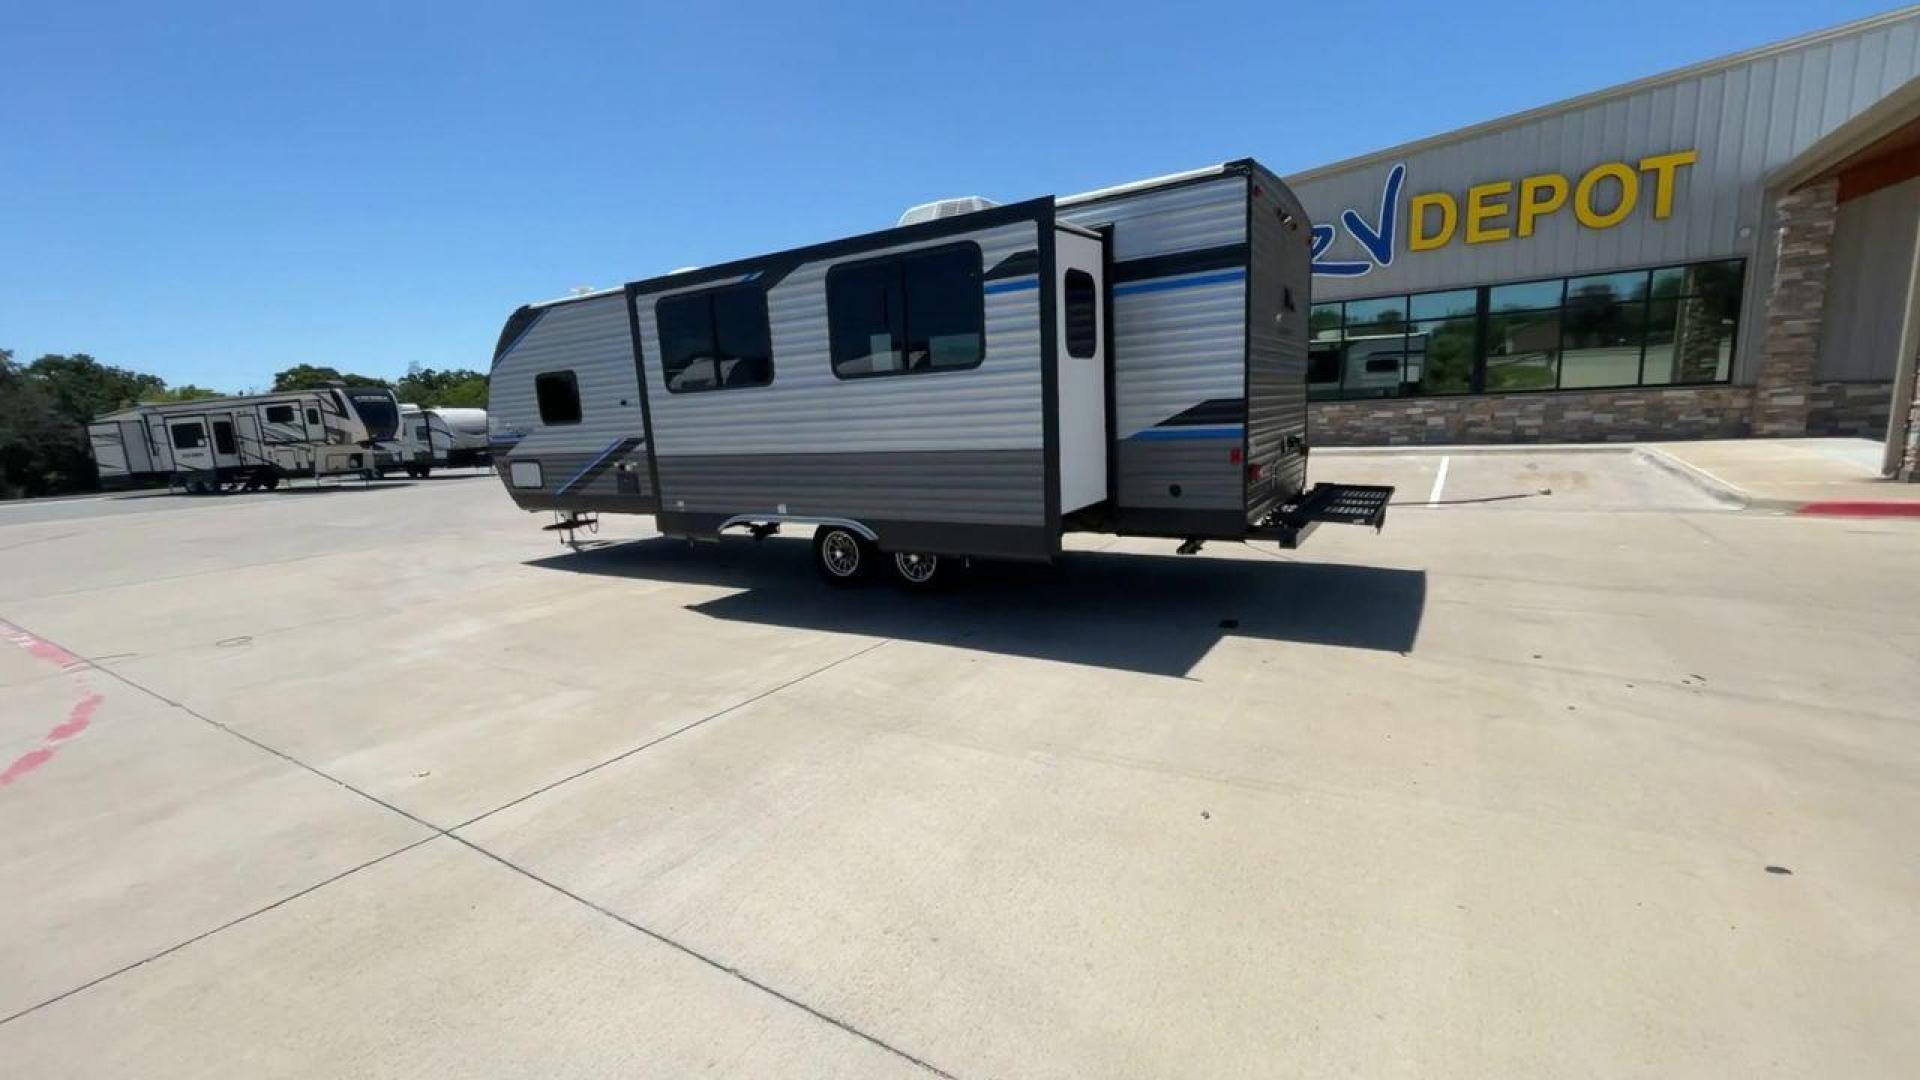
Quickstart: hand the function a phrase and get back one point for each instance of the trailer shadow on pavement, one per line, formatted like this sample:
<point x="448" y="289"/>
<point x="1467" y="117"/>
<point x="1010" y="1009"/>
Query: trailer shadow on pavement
<point x="1156" y="614"/>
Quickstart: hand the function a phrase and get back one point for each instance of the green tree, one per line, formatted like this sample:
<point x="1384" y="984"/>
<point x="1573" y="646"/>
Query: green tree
<point x="454" y="388"/>
<point x="309" y="376"/>
<point x="189" y="392"/>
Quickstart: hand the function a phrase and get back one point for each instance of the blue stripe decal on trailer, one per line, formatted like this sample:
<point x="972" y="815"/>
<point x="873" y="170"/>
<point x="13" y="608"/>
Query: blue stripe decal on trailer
<point x="595" y="463"/>
<point x="1164" y="284"/>
<point x="1168" y="434"/>
<point x="1017" y="285"/>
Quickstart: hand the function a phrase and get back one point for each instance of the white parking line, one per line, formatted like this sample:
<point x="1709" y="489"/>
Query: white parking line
<point x="1439" y="483"/>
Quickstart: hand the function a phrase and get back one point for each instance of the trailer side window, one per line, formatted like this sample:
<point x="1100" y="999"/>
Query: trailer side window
<point x="1082" y="310"/>
<point x="223" y="436"/>
<point x="559" y="395"/>
<point x="904" y="314"/>
<point x="313" y="416"/>
<point x="281" y="414"/>
<point x="189" y="436"/>
<point x="715" y="339"/>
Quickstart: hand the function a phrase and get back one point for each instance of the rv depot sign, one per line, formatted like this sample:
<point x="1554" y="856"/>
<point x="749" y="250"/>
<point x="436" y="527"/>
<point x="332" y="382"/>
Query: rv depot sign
<point x="1499" y="210"/>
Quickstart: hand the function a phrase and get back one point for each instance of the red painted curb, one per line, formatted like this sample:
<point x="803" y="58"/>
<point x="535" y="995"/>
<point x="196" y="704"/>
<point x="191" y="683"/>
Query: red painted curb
<point x="1861" y="509"/>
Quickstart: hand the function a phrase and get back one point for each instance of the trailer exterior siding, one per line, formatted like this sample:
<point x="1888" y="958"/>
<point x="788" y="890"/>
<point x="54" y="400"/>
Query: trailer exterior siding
<point x="960" y="447"/>
<point x="1280" y="272"/>
<point x="1179" y="341"/>
<point x="602" y="458"/>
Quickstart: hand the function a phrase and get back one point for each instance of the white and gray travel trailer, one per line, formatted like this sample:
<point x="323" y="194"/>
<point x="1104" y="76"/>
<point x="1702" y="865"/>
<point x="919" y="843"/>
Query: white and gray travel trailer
<point x="438" y="438"/>
<point x="1131" y="361"/>
<point x="246" y="442"/>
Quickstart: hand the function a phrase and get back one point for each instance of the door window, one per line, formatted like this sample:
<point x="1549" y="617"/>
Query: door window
<point x="1083" y="315"/>
<point x="223" y="437"/>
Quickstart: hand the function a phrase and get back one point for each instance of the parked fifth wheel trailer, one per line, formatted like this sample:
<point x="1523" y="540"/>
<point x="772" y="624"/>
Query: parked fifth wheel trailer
<point x="244" y="442"/>
<point x="437" y="438"/>
<point x="1131" y="361"/>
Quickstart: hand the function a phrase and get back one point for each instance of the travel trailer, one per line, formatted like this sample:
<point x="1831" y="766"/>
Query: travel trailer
<point x="437" y="438"/>
<point x="973" y="383"/>
<point x="244" y="443"/>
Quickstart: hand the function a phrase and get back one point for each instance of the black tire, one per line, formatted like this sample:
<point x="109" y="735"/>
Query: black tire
<point x="425" y="471"/>
<point x="271" y="480"/>
<point x="919" y="572"/>
<point x="843" y="557"/>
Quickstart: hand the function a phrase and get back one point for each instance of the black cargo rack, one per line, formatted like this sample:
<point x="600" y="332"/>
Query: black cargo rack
<point x="1342" y="504"/>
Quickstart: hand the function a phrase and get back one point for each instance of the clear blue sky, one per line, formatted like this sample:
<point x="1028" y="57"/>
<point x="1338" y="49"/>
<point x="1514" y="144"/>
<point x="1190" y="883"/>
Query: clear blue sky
<point x="212" y="192"/>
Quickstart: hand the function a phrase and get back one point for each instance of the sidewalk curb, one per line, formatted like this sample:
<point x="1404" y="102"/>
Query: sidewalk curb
<point x="1714" y="487"/>
<point x="1475" y="448"/>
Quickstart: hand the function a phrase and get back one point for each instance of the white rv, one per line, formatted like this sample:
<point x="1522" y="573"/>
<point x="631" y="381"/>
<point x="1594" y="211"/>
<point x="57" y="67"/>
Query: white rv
<point x="1130" y="361"/>
<point x="249" y="442"/>
<point x="438" y="438"/>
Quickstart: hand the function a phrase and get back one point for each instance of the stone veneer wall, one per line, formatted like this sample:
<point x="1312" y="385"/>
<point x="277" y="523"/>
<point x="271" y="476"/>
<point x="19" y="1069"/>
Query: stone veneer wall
<point x="1849" y="408"/>
<point x="1649" y="413"/>
<point x="1796" y="306"/>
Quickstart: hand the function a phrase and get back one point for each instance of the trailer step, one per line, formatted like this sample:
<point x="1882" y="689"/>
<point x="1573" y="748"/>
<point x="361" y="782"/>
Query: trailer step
<point x="1341" y="504"/>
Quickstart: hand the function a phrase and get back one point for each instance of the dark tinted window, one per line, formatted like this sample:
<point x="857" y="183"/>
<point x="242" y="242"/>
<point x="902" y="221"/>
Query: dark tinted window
<point x="313" y="416"/>
<point x="281" y="414"/>
<point x="189" y="437"/>
<point x="559" y="395"/>
<point x="715" y="340"/>
<point x="1083" y="314"/>
<point x="909" y="313"/>
<point x="380" y="413"/>
<point x="223" y="436"/>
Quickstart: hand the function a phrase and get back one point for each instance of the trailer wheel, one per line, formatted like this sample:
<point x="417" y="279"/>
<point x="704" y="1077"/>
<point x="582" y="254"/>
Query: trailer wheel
<point x="844" y="557"/>
<point x="425" y="471"/>
<point x="918" y="571"/>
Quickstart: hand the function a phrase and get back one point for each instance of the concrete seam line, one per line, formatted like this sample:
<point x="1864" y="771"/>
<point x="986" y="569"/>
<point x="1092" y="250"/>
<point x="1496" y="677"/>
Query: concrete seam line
<point x="230" y="923"/>
<point x="696" y="954"/>
<point x="657" y="740"/>
<point x="440" y="832"/>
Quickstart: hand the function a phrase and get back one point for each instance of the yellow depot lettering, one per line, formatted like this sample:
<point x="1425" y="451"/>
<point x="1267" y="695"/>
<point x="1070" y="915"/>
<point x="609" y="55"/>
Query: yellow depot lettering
<point x="1583" y="207"/>
<point x="1480" y="210"/>
<point x="1418" y="239"/>
<point x="1533" y="204"/>
<point x="1664" y="167"/>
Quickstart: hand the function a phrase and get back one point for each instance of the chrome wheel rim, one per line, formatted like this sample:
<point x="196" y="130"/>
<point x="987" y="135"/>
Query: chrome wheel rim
<point x="841" y="554"/>
<point x="918" y="569"/>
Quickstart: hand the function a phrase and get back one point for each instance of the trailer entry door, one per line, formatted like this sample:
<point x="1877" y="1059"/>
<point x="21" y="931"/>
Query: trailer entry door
<point x="1081" y="318"/>
<point x="192" y="444"/>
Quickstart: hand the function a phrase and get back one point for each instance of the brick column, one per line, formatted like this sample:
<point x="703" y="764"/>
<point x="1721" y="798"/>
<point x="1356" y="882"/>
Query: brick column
<point x="1796" y="304"/>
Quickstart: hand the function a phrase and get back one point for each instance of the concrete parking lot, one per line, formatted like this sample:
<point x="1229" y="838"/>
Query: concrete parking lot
<point x="1572" y="771"/>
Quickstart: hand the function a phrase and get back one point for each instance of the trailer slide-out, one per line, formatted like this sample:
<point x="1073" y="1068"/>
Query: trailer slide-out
<point x="1128" y="361"/>
<point x="250" y="442"/>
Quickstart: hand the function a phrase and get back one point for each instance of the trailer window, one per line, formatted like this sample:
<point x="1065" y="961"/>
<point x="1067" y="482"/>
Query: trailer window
<point x="282" y="414"/>
<point x="223" y="436"/>
<point x="189" y="436"/>
<point x="905" y="314"/>
<point x="1082" y="309"/>
<point x="313" y="416"/>
<point x="559" y="395"/>
<point x="716" y="339"/>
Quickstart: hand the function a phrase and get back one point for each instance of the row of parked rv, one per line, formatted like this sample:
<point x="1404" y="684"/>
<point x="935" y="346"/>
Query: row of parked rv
<point x="254" y="442"/>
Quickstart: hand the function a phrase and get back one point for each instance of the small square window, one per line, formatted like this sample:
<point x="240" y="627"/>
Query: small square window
<point x="558" y="394"/>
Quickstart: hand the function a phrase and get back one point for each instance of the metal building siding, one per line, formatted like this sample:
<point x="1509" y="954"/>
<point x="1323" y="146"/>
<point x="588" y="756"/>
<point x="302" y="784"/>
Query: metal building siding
<point x="1867" y="290"/>
<point x="1746" y="120"/>
<point x="806" y="409"/>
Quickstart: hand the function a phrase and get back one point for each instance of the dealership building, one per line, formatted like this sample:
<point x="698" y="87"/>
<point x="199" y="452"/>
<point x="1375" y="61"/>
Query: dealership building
<point x="1727" y="250"/>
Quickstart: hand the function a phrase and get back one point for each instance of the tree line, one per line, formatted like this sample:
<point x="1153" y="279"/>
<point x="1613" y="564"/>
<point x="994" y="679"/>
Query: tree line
<point x="45" y="407"/>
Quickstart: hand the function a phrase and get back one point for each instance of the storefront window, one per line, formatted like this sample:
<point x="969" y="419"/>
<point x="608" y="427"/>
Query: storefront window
<point x="1670" y="325"/>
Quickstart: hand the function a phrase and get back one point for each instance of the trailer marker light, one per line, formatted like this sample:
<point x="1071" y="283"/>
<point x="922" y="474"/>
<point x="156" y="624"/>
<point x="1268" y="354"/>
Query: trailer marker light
<point x="1253" y="470"/>
<point x="1233" y="456"/>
